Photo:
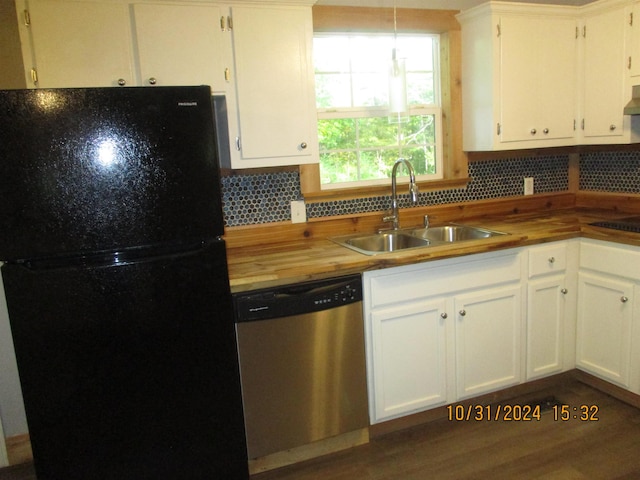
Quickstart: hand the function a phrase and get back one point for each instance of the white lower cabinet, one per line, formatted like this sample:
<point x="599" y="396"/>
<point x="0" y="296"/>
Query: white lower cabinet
<point x="551" y="308"/>
<point x="410" y="342"/>
<point x="488" y="326"/>
<point x="608" y="329"/>
<point x="450" y="330"/>
<point x="442" y="331"/>
<point x="604" y="327"/>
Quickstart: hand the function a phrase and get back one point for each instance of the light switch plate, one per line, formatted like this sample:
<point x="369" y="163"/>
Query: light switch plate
<point x="298" y="211"/>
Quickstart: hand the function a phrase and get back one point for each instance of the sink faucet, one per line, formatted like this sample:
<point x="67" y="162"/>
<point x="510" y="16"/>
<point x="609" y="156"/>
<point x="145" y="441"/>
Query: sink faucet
<point x="394" y="217"/>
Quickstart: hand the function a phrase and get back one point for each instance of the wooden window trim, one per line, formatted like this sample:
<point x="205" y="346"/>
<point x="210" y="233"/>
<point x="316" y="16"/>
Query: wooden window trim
<point x="365" y="19"/>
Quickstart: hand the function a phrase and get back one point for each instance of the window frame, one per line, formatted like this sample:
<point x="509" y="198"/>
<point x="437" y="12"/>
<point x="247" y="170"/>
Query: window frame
<point x="330" y="19"/>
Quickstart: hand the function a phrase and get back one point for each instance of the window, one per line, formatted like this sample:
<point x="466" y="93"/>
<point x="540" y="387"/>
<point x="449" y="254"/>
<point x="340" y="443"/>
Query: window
<point x="359" y="139"/>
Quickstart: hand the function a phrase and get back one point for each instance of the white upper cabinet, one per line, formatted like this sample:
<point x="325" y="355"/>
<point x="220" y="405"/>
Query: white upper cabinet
<point x="76" y="44"/>
<point x="259" y="56"/>
<point x="179" y="45"/>
<point x="274" y="87"/>
<point x="538" y="56"/>
<point x="519" y="67"/>
<point x="605" y="73"/>
<point x="548" y="75"/>
<point x="103" y="44"/>
<point x="634" y="22"/>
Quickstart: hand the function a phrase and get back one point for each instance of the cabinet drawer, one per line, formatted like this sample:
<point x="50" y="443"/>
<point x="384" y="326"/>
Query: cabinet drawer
<point x="409" y="283"/>
<point x="620" y="260"/>
<point x="547" y="259"/>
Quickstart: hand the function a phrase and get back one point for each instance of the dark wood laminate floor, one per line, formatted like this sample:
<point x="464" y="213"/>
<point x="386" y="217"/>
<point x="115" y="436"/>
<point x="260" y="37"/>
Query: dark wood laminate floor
<point x="545" y="449"/>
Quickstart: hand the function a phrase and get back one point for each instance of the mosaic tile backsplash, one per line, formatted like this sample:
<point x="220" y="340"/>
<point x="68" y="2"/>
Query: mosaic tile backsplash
<point x="264" y="198"/>
<point x="617" y="172"/>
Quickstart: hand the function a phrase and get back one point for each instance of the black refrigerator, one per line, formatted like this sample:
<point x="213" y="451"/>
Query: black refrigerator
<point x="116" y="281"/>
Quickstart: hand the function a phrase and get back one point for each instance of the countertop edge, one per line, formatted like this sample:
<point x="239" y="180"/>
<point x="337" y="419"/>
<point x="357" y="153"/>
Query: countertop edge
<point x="289" y="263"/>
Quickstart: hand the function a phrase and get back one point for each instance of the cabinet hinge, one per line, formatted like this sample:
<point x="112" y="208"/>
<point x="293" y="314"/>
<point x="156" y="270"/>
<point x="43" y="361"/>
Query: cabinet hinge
<point x="27" y="18"/>
<point x="498" y="30"/>
<point x="34" y="76"/>
<point x="226" y="24"/>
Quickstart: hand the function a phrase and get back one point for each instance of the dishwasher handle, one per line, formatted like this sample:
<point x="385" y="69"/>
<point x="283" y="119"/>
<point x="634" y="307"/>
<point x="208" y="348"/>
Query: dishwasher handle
<point x="297" y="299"/>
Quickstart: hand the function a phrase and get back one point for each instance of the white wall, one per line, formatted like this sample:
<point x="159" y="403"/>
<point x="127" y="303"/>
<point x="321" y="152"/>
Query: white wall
<point x="12" y="415"/>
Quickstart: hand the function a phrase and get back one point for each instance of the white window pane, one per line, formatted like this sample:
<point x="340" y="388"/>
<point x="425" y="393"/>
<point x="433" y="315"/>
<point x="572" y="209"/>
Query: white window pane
<point x="370" y="90"/>
<point x="333" y="90"/>
<point x="331" y="54"/>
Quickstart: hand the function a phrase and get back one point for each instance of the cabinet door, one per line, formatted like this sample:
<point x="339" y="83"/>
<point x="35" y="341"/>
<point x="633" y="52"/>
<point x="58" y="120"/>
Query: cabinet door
<point x="488" y="340"/>
<point x="635" y="42"/>
<point x="80" y="44"/>
<point x="605" y="73"/>
<point x="537" y="77"/>
<point x="546" y="307"/>
<point x="519" y="55"/>
<point x="557" y="78"/>
<point x="179" y="45"/>
<point x="408" y="359"/>
<point x="275" y="87"/>
<point x="603" y="336"/>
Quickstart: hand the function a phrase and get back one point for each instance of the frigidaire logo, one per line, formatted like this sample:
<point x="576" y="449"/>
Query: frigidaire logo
<point x="187" y="104"/>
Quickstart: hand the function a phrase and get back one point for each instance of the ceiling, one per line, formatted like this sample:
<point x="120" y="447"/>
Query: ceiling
<point x="438" y="4"/>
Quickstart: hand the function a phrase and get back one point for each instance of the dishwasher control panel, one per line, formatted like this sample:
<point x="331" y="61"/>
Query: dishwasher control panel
<point x="297" y="299"/>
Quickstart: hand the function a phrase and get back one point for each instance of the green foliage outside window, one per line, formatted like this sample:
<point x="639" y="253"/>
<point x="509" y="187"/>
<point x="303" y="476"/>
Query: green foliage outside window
<point x="353" y="149"/>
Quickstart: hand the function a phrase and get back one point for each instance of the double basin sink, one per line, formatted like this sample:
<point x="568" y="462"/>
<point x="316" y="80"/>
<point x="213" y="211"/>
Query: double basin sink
<point x="396" y="240"/>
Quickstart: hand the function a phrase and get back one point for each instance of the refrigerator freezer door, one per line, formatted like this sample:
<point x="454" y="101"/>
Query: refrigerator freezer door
<point x="130" y="371"/>
<point x="106" y="168"/>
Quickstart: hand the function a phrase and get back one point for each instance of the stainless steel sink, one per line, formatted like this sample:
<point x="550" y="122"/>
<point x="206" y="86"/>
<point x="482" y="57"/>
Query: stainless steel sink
<point x="454" y="233"/>
<point x="394" y="240"/>
<point x="370" y="244"/>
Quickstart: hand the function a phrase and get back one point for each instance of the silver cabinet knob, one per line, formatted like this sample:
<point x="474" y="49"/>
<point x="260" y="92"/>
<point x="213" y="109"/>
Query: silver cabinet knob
<point x="545" y="131"/>
<point x="463" y="313"/>
<point x="122" y="82"/>
<point x="303" y="145"/>
<point x="564" y="291"/>
<point x="533" y="131"/>
<point x="552" y="259"/>
<point x="624" y="299"/>
<point x="443" y="315"/>
<point x="612" y="127"/>
<point x="152" y="81"/>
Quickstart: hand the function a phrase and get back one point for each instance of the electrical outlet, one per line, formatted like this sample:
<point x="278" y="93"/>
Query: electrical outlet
<point x="528" y="186"/>
<point x="298" y="211"/>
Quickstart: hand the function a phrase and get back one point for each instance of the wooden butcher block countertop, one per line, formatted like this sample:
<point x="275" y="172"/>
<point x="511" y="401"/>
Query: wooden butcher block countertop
<point x="279" y="263"/>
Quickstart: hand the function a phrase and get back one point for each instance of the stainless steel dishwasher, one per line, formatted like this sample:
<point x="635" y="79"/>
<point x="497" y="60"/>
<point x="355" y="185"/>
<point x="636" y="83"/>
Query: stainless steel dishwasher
<point x="302" y="363"/>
